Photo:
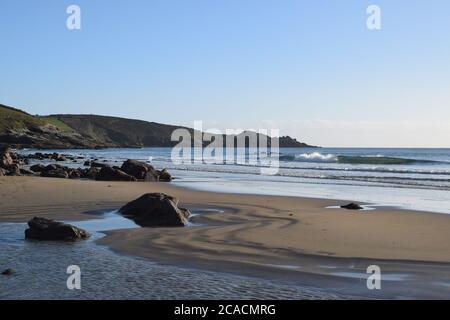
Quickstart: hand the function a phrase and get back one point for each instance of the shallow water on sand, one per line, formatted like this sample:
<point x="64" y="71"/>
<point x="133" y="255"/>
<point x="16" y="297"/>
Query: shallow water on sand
<point x="41" y="272"/>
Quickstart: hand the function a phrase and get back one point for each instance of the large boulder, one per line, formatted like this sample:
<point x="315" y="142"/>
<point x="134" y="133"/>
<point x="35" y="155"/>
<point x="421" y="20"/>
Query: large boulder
<point x="113" y="174"/>
<point x="6" y="159"/>
<point x="139" y="170"/>
<point x="55" y="171"/>
<point x="45" y="229"/>
<point x="156" y="210"/>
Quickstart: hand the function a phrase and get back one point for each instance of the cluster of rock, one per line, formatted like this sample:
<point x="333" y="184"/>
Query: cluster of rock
<point x="131" y="170"/>
<point x="51" y="156"/>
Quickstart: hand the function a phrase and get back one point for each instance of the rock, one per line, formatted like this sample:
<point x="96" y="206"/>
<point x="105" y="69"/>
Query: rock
<point x="37" y="168"/>
<point x="139" y="170"/>
<point x="164" y="175"/>
<point x="98" y="165"/>
<point x="144" y="171"/>
<point x="87" y="163"/>
<point x="156" y="210"/>
<point x="75" y="174"/>
<point x="2" y="172"/>
<point x="90" y="173"/>
<point x="45" y="229"/>
<point x="6" y="159"/>
<point x="26" y="172"/>
<point x="8" y="272"/>
<point x="111" y="174"/>
<point x="13" y="170"/>
<point x="58" y="157"/>
<point x="352" y="206"/>
<point x="55" y="174"/>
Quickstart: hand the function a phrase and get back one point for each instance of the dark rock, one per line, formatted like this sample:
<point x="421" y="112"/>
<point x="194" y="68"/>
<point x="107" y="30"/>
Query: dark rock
<point x="58" y="157"/>
<point x="53" y="167"/>
<point x="26" y="172"/>
<point x="6" y="159"/>
<point x="139" y="170"/>
<point x="352" y="206"/>
<point x="156" y="210"/>
<point x="164" y="175"/>
<point x="13" y="170"/>
<point x="111" y="174"/>
<point x="45" y="229"/>
<point x="87" y="163"/>
<point x="90" y="173"/>
<point x="38" y="168"/>
<point x="8" y="272"/>
<point x="98" y="165"/>
<point x="75" y="174"/>
<point x="55" y="174"/>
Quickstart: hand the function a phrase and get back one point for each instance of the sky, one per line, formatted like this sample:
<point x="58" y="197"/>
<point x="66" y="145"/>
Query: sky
<point x="311" y="69"/>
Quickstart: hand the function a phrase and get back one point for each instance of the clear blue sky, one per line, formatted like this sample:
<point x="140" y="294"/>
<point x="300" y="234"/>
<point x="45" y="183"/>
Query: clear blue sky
<point x="310" y="68"/>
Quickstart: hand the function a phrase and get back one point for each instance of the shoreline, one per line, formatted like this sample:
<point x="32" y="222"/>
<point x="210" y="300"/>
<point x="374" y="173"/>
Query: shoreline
<point x="288" y="239"/>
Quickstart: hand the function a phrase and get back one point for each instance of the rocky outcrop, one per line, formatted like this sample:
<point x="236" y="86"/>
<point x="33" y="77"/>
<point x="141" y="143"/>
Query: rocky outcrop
<point x="45" y="229"/>
<point x="6" y="159"/>
<point x="131" y="170"/>
<point x="352" y="206"/>
<point x="156" y="210"/>
<point x="113" y="174"/>
<point x="140" y="170"/>
<point x="144" y="171"/>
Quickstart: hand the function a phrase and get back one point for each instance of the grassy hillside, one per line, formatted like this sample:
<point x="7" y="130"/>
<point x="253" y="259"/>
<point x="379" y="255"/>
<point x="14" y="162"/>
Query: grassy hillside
<point x="22" y="130"/>
<point x="113" y="131"/>
<point x="15" y="119"/>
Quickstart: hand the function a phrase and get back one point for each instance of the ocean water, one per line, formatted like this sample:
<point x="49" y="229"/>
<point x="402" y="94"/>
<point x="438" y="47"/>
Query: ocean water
<point x="417" y="179"/>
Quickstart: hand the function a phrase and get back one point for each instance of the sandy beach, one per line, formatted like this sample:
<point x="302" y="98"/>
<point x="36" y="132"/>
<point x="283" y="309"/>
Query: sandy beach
<point x="270" y="236"/>
<point x="260" y="228"/>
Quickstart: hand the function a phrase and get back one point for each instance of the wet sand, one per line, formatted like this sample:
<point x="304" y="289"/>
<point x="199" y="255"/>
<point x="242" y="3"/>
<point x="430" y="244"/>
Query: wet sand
<point x="287" y="237"/>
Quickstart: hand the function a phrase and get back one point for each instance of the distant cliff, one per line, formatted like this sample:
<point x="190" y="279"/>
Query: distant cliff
<point x="22" y="130"/>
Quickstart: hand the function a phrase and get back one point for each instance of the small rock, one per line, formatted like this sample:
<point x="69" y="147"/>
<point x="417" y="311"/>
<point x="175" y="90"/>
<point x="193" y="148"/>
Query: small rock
<point x="8" y="272"/>
<point x="352" y="206"/>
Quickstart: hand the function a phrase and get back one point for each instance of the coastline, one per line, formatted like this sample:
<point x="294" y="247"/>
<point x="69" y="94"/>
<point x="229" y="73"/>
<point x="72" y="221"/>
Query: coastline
<point x="283" y="238"/>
